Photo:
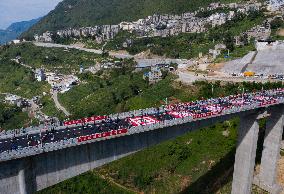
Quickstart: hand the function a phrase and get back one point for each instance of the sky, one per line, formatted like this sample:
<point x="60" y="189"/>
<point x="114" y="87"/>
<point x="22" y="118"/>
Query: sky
<point x="22" y="10"/>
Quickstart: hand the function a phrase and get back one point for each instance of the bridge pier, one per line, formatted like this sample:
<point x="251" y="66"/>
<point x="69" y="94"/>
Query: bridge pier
<point x="245" y="154"/>
<point x="271" y="152"/>
<point x="26" y="177"/>
<point x="22" y="179"/>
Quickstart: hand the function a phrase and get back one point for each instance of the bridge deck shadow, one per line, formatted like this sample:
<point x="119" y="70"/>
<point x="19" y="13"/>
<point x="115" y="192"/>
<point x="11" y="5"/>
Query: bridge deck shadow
<point x="212" y="181"/>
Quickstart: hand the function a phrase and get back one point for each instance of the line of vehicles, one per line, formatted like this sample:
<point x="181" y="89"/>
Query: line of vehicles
<point x="251" y="74"/>
<point x="97" y="127"/>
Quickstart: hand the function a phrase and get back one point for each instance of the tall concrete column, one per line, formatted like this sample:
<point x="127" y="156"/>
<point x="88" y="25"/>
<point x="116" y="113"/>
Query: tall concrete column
<point x="245" y="154"/>
<point x="22" y="179"/>
<point x="271" y="151"/>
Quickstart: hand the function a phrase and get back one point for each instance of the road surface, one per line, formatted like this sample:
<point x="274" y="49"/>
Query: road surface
<point x="96" y="51"/>
<point x="58" y="105"/>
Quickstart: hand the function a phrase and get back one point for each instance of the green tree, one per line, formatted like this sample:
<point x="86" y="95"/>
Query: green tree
<point x="276" y="23"/>
<point x="229" y="41"/>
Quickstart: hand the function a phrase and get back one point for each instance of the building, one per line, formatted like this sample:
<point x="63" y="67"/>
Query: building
<point x="127" y="43"/>
<point x="40" y="75"/>
<point x="62" y="83"/>
<point x="17" y="101"/>
<point x="155" y="75"/>
<point x="16" y="41"/>
<point x="45" y="37"/>
<point x="161" y="25"/>
<point x="81" y="69"/>
<point x="275" y="5"/>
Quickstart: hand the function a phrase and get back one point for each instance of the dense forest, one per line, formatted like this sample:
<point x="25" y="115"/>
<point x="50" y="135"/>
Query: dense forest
<point x="77" y="13"/>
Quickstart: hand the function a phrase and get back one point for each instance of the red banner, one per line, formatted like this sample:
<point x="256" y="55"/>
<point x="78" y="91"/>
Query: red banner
<point x="268" y="102"/>
<point x="85" y="120"/>
<point x="204" y="115"/>
<point x="101" y="135"/>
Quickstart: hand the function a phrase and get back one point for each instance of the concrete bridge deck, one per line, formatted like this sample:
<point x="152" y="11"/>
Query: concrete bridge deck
<point x="36" y="167"/>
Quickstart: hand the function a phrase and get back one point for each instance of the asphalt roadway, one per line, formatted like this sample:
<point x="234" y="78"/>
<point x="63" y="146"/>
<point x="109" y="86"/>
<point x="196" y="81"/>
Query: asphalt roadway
<point x="214" y="106"/>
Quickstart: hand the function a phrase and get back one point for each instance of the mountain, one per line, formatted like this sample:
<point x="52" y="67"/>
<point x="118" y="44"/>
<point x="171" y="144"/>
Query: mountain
<point x="15" y="30"/>
<point x="78" y="13"/>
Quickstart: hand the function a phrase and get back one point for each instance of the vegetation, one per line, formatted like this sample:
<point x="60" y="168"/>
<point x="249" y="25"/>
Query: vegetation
<point x="276" y="23"/>
<point x="74" y="13"/>
<point x="190" y="45"/>
<point x="49" y="108"/>
<point x="88" y="42"/>
<point x="19" y="80"/>
<point x="12" y="117"/>
<point x="55" y="59"/>
<point x="277" y="29"/>
<point x="103" y="93"/>
<point x="238" y="52"/>
<point x="81" y="185"/>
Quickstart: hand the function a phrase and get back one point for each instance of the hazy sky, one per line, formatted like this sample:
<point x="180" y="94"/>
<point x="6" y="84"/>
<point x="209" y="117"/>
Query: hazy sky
<point x="21" y="10"/>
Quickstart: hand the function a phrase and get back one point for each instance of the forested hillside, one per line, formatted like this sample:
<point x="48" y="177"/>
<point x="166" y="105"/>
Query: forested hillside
<point x="15" y="30"/>
<point x="75" y="13"/>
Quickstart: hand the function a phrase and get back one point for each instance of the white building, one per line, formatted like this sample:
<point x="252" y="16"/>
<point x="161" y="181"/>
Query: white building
<point x="40" y="75"/>
<point x="13" y="99"/>
<point x="16" y="41"/>
<point x="275" y="5"/>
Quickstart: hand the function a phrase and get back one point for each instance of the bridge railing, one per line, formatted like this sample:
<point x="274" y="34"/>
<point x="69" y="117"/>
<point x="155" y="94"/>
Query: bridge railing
<point x="47" y="147"/>
<point x="26" y="131"/>
<point x="33" y="130"/>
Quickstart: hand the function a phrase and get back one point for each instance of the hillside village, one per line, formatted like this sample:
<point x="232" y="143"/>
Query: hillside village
<point x="165" y="25"/>
<point x="160" y="25"/>
<point x="170" y="25"/>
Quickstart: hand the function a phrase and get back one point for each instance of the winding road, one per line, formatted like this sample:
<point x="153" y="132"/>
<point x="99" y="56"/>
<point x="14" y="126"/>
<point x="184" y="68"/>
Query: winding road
<point x="58" y="105"/>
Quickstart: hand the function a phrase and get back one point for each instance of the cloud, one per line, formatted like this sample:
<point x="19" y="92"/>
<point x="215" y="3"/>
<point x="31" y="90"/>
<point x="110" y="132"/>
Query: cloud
<point x="22" y="10"/>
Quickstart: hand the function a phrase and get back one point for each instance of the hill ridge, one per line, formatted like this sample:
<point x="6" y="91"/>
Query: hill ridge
<point x="83" y="13"/>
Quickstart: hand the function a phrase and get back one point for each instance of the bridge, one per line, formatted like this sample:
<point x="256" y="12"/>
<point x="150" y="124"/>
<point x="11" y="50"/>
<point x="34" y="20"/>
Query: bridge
<point x="34" y="159"/>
